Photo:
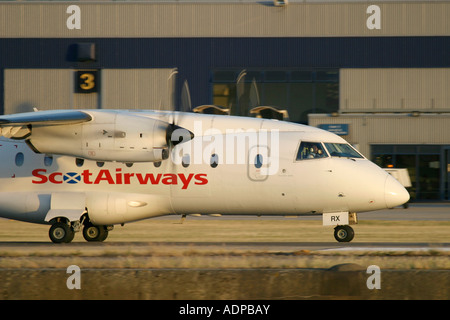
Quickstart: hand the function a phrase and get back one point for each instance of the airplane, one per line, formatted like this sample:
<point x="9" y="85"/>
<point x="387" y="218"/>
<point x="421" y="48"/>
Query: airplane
<point x="89" y="170"/>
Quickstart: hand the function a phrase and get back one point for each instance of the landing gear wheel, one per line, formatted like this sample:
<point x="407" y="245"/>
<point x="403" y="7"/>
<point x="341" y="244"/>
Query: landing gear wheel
<point x="344" y="233"/>
<point x="94" y="233"/>
<point x="61" y="232"/>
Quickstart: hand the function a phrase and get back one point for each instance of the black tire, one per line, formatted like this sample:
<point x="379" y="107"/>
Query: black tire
<point x="344" y="233"/>
<point x="94" y="233"/>
<point x="61" y="232"/>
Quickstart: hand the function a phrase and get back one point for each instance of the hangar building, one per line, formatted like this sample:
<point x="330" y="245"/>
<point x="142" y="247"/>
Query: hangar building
<point x="377" y="73"/>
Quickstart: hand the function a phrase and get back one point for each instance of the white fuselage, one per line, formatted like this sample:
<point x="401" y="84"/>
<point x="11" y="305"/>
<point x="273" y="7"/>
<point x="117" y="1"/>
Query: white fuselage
<point x="277" y="183"/>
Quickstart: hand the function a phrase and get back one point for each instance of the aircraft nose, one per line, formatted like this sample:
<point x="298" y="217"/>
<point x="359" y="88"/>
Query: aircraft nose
<point x="394" y="193"/>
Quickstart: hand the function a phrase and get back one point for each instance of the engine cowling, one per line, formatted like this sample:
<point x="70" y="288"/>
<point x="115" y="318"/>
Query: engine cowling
<point x="107" y="137"/>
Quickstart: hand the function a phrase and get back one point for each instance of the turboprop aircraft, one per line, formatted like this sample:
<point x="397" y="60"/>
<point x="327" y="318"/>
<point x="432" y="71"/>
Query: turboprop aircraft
<point x="92" y="169"/>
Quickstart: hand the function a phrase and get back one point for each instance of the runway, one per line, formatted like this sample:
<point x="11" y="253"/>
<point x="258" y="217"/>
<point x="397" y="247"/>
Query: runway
<point x="223" y="255"/>
<point x="236" y="258"/>
<point x="224" y="270"/>
<point x="420" y="227"/>
<point x="260" y="246"/>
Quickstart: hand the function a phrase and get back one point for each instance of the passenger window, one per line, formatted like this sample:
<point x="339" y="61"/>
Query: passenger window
<point x="79" y="162"/>
<point x="214" y="160"/>
<point x="186" y="160"/>
<point x="48" y="160"/>
<point x="19" y="159"/>
<point x="258" y="161"/>
<point x="311" y="150"/>
<point x="157" y="164"/>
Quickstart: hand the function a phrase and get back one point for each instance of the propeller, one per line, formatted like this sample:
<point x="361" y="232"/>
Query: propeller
<point x="176" y="134"/>
<point x="240" y="89"/>
<point x="186" y="103"/>
<point x="254" y="94"/>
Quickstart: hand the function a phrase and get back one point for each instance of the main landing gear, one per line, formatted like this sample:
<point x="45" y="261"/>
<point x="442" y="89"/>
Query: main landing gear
<point x="94" y="233"/>
<point x="63" y="231"/>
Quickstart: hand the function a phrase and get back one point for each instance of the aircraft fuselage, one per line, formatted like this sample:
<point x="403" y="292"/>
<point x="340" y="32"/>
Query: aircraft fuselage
<point x="232" y="166"/>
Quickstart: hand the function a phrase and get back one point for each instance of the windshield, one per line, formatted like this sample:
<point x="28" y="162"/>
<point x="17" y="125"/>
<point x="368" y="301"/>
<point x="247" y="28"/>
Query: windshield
<point x="342" y="150"/>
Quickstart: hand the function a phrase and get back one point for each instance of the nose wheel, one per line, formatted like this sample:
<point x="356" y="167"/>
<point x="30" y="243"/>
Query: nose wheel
<point x="344" y="233"/>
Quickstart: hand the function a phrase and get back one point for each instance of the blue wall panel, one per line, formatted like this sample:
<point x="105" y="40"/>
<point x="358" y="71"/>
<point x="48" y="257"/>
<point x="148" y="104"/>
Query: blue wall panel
<point x="196" y="57"/>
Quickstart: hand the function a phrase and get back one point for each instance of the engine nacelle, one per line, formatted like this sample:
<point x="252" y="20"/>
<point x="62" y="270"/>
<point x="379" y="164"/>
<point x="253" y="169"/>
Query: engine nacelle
<point x="109" y="136"/>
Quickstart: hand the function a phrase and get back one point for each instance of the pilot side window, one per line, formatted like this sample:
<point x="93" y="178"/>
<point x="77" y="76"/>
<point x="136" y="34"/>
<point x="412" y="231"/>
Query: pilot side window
<point x="311" y="150"/>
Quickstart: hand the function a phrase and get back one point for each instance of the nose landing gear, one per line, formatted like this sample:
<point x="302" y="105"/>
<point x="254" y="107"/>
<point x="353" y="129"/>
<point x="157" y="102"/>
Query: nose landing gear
<point x="341" y="220"/>
<point x="344" y="233"/>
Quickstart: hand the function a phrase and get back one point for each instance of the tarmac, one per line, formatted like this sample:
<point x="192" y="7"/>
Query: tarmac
<point x="343" y="281"/>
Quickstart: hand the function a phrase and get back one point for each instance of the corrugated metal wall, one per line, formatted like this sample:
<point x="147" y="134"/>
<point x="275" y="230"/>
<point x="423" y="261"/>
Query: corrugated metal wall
<point x="49" y="89"/>
<point x="196" y="58"/>
<point x="395" y="90"/>
<point x="367" y="129"/>
<point x="138" y="89"/>
<point x="209" y="19"/>
<point x="41" y="88"/>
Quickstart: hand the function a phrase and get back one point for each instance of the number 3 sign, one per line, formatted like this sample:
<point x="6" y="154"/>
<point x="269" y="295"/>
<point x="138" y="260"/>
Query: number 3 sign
<point x="86" y="81"/>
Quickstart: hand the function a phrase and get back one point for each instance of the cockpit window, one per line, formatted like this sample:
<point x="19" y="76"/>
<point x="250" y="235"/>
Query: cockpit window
<point x="342" y="150"/>
<point x="311" y="150"/>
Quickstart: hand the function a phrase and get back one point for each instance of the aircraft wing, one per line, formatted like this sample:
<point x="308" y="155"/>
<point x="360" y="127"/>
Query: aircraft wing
<point x="106" y="135"/>
<point x="45" y="118"/>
